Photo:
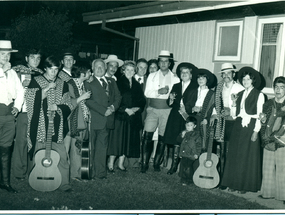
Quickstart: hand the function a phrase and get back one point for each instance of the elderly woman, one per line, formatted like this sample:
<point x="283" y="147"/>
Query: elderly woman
<point x="177" y="99"/>
<point x="243" y="167"/>
<point x="124" y="140"/>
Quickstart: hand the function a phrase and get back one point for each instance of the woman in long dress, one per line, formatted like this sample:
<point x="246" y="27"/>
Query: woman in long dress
<point x="243" y="166"/>
<point x="124" y="140"/>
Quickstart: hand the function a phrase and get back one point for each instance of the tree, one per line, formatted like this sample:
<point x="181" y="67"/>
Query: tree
<point x="48" y="31"/>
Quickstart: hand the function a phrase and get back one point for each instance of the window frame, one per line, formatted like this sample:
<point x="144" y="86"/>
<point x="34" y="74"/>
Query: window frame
<point x="219" y="26"/>
<point x="259" y="36"/>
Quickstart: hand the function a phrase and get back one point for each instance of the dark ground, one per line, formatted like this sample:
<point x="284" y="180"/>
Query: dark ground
<point x="129" y="190"/>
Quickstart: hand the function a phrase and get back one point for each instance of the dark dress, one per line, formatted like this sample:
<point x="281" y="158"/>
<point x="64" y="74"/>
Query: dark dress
<point x="125" y="138"/>
<point x="243" y="166"/>
<point x="176" y="123"/>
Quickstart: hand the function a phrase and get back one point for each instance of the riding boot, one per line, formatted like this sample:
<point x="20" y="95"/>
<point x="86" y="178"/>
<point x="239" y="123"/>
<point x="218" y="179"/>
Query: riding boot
<point x="5" y="164"/>
<point x="175" y="160"/>
<point x="146" y="149"/>
<point x="158" y="154"/>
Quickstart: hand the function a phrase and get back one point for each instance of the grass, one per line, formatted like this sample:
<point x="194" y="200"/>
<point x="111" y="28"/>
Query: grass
<point x="129" y="190"/>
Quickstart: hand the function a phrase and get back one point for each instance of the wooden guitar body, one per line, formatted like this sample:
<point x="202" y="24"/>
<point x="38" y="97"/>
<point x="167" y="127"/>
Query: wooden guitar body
<point x="207" y="176"/>
<point x="45" y="175"/>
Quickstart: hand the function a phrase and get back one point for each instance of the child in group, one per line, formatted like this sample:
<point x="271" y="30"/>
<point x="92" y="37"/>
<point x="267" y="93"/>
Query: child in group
<point x="190" y="149"/>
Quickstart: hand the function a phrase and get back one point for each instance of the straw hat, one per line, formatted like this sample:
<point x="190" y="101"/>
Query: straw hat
<point x="228" y="67"/>
<point x="6" y="45"/>
<point x="114" y="58"/>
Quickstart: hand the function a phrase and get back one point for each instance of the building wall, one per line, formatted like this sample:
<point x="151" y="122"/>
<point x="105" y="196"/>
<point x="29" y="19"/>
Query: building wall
<point x="194" y="43"/>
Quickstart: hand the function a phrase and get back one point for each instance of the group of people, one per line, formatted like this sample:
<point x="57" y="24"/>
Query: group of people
<point x="118" y="113"/>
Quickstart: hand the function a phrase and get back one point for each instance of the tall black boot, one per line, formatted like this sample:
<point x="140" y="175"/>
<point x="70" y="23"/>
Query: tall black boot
<point x="146" y="149"/>
<point x="158" y="154"/>
<point x="5" y="164"/>
<point x="175" y="160"/>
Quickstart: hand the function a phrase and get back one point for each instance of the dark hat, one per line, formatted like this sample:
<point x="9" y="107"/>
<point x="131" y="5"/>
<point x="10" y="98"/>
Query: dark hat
<point x="189" y="66"/>
<point x="256" y="74"/>
<point x="212" y="79"/>
<point x="68" y="51"/>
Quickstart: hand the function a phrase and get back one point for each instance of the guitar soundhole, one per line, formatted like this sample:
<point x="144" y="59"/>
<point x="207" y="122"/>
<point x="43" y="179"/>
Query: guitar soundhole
<point x="46" y="162"/>
<point x="208" y="163"/>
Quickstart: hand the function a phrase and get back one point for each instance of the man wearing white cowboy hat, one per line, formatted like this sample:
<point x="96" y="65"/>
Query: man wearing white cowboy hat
<point x="113" y="63"/>
<point x="11" y="100"/>
<point x="158" y="87"/>
<point x="222" y="110"/>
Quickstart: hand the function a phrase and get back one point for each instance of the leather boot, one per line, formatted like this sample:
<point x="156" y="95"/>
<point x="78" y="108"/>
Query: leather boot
<point x="147" y="147"/>
<point x="158" y="154"/>
<point x="175" y="160"/>
<point x="5" y="164"/>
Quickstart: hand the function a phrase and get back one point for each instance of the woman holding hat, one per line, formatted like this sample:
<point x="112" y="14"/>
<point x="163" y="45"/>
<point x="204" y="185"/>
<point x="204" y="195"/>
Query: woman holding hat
<point x="243" y="166"/>
<point x="177" y="99"/>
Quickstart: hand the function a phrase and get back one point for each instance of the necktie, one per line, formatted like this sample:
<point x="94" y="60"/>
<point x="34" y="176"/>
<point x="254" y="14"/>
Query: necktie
<point x="104" y="84"/>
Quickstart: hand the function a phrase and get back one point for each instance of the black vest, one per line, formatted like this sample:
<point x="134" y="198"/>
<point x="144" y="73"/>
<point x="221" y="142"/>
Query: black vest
<point x="250" y="102"/>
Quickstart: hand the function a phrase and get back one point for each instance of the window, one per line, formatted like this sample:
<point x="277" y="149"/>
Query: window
<point x="228" y="41"/>
<point x="269" y="59"/>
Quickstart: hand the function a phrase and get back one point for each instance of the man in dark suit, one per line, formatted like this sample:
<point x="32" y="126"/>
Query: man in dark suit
<point x="105" y="99"/>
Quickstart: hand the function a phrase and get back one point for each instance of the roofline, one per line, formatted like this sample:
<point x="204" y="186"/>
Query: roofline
<point x="178" y="12"/>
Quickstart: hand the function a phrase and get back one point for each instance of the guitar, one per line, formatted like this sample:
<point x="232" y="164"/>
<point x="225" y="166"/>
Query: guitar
<point x="45" y="175"/>
<point x="207" y="176"/>
<point x="85" y="157"/>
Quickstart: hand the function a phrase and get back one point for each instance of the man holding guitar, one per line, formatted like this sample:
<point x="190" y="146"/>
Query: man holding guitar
<point x="49" y="105"/>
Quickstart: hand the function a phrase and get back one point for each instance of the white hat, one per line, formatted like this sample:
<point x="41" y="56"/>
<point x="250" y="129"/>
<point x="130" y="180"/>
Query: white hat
<point x="228" y="67"/>
<point x="6" y="45"/>
<point x="114" y="58"/>
<point x="164" y="53"/>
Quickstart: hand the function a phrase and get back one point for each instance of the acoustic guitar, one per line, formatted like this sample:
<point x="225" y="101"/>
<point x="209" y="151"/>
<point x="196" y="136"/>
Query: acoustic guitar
<point x="45" y="175"/>
<point x="207" y="176"/>
<point x="85" y="156"/>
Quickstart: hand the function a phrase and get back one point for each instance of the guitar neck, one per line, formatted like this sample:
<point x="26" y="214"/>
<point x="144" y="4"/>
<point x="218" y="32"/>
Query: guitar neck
<point x="210" y="146"/>
<point x="49" y="133"/>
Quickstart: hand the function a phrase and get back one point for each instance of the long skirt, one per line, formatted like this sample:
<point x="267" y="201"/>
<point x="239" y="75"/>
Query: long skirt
<point x="243" y="165"/>
<point x="124" y="139"/>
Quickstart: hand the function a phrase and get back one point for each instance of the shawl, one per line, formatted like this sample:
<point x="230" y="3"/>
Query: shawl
<point x="220" y="126"/>
<point x="37" y="111"/>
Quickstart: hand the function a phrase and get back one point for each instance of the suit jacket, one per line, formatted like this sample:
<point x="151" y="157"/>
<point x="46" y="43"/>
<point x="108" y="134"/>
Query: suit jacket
<point x="100" y="101"/>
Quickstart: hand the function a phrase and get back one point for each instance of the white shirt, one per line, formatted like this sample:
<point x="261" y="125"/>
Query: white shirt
<point x="235" y="89"/>
<point x="11" y="89"/>
<point x="201" y="96"/>
<point x="157" y="80"/>
<point x="69" y="73"/>
<point x="141" y="80"/>
<point x="113" y="76"/>
<point x="98" y="78"/>
<point x="246" y="117"/>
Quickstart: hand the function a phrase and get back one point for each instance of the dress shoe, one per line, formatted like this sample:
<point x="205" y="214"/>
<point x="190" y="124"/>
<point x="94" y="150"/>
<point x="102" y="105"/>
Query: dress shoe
<point x="242" y="192"/>
<point x="123" y="170"/>
<point x="111" y="170"/>
<point x="261" y="196"/>
<point x="8" y="188"/>
<point x="231" y="190"/>
<point x="69" y="190"/>
<point x="77" y="179"/>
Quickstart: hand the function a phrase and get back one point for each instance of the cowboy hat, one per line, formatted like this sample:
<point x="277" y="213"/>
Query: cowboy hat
<point x="6" y="45"/>
<point x="189" y="66"/>
<point x="251" y="71"/>
<point x="114" y="58"/>
<point x="212" y="80"/>
<point x="228" y="67"/>
<point x="165" y="53"/>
